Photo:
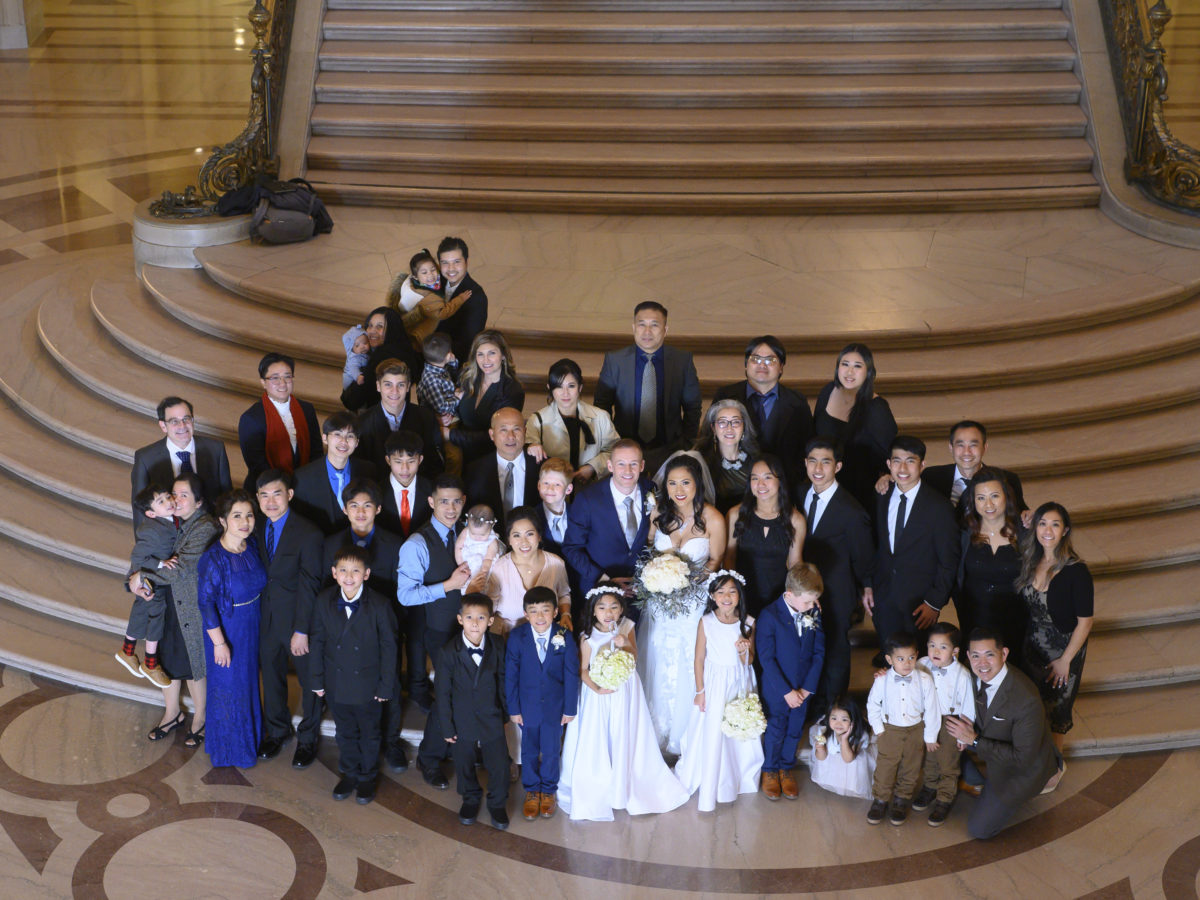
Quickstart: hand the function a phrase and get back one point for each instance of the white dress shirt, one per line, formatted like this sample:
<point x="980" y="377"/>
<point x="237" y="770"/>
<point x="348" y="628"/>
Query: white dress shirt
<point x="173" y="452"/>
<point x="958" y="485"/>
<point x="619" y="502"/>
<point x="357" y="596"/>
<point x="894" y="506"/>
<point x="955" y="688"/>
<point x="556" y="523"/>
<point x="285" y="413"/>
<point x="823" y="501"/>
<point x="475" y="649"/>
<point x="992" y="686"/>
<point x="399" y="490"/>
<point x="518" y="465"/>
<point x="904" y="701"/>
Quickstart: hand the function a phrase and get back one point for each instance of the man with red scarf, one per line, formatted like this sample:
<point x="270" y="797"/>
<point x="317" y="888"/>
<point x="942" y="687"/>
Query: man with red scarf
<point x="278" y="431"/>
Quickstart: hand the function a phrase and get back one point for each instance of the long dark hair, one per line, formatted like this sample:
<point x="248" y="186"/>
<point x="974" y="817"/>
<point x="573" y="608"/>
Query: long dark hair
<point x="750" y="501"/>
<point x="857" y="738"/>
<point x="668" y="517"/>
<point x="1032" y="552"/>
<point x="974" y="521"/>
<point x="865" y="393"/>
<point x="715" y="585"/>
<point x="590" y="625"/>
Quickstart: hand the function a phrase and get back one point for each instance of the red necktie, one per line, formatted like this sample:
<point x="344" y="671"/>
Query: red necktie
<point x="405" y="513"/>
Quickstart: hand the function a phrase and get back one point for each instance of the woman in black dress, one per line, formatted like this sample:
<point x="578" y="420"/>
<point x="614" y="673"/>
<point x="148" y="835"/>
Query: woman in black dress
<point x="388" y="339"/>
<point x="1059" y="595"/>
<point x="766" y="533"/>
<point x="990" y="564"/>
<point x="488" y="383"/>
<point x="850" y="412"/>
<point x="728" y="444"/>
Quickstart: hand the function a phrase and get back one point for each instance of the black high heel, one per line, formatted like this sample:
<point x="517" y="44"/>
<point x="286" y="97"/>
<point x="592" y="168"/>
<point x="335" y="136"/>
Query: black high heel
<point x="161" y="731"/>
<point x="194" y="739"/>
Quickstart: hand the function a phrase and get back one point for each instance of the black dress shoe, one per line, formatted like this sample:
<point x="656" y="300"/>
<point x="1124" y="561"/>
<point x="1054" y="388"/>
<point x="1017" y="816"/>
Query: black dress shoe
<point x="468" y="812"/>
<point x="397" y="759"/>
<point x="344" y="788"/>
<point x="305" y="754"/>
<point x="269" y="748"/>
<point x="366" y="792"/>
<point x="499" y="818"/>
<point x="435" y="778"/>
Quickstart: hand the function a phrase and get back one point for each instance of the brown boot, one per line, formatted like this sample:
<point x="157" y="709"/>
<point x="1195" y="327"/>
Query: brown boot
<point x="787" y="783"/>
<point x="533" y="804"/>
<point x="770" y="785"/>
<point x="549" y="805"/>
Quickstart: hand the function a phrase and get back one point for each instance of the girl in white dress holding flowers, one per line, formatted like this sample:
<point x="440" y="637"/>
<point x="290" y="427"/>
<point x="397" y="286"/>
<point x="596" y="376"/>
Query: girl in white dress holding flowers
<point x="843" y="757"/>
<point x="695" y="530"/>
<point x="610" y="757"/>
<point x="718" y="765"/>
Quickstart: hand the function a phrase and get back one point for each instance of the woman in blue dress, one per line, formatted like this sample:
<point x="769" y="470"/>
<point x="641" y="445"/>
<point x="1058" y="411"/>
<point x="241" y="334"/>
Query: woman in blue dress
<point x="231" y="577"/>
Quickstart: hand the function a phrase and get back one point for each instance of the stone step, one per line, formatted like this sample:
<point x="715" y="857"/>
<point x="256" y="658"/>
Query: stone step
<point x="1133" y="492"/>
<point x="701" y="27"/>
<point x="264" y="274"/>
<point x="1015" y="194"/>
<point x="204" y="305"/>
<point x="797" y="59"/>
<point x="142" y="327"/>
<point x="1136" y="721"/>
<point x="870" y="160"/>
<point x="675" y="92"/>
<point x="1130" y="546"/>
<point x="785" y="125"/>
<point x="60" y="588"/>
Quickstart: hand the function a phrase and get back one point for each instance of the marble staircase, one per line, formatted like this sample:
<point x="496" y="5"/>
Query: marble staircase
<point x="744" y="106"/>
<point x="1096" y="405"/>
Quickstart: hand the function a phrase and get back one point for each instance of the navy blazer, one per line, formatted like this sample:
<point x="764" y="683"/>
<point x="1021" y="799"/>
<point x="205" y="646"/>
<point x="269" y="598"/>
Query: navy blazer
<point x="314" y="494"/>
<point x="595" y="541"/>
<point x="293" y="577"/>
<point x="788" y="661"/>
<point x="353" y="660"/>
<point x="541" y="692"/>
<point x="153" y="463"/>
<point x="252" y="437"/>
<point x="616" y="394"/>
<point x="373" y="432"/>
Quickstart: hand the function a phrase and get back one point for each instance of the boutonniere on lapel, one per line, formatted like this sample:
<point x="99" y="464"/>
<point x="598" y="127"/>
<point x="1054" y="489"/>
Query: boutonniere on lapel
<point x="650" y="506"/>
<point x="558" y="641"/>
<point x="807" y="622"/>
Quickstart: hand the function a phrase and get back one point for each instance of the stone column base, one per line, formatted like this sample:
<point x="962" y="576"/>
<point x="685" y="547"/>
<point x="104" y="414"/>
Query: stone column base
<point x="170" y="242"/>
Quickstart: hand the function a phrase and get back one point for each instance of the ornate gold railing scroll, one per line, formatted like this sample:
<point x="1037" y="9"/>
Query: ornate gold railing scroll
<point x="1165" y="166"/>
<point x="252" y="152"/>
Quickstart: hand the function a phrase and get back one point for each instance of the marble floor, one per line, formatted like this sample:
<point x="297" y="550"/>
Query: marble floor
<point x="89" y="808"/>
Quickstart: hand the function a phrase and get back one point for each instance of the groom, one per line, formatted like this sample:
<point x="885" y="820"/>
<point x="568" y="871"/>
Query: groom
<point x="608" y="523"/>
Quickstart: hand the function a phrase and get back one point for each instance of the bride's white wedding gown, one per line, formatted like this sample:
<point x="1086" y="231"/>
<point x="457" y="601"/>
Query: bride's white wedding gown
<point x="667" y="653"/>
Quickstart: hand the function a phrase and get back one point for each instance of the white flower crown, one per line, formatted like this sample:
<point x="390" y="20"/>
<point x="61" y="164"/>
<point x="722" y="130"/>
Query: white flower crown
<point x="604" y="589"/>
<point x="721" y="573"/>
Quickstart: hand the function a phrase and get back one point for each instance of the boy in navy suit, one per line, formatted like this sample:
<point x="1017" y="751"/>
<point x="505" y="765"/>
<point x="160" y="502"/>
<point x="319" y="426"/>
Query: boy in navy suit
<point x="354" y="658"/>
<point x="791" y="649"/>
<point x="542" y="682"/>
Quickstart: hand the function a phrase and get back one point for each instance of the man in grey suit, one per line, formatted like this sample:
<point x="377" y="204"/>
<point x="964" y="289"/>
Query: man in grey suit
<point x="1009" y="735"/>
<point x="181" y="451"/>
<point x="651" y="391"/>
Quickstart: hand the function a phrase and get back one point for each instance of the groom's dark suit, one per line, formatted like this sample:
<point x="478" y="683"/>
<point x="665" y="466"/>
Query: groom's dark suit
<point x="595" y="544"/>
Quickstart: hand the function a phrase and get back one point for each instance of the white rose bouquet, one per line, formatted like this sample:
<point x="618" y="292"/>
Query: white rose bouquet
<point x="667" y="584"/>
<point x="743" y="719"/>
<point x="611" y="668"/>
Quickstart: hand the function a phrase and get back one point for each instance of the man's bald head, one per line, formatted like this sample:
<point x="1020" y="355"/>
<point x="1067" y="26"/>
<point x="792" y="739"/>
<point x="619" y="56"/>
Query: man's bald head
<point x="508" y="432"/>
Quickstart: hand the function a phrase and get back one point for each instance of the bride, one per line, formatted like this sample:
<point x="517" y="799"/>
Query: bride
<point x="686" y="523"/>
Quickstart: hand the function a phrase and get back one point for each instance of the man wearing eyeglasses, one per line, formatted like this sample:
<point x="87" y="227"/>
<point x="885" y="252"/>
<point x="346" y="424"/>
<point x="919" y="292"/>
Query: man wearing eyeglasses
<point x="279" y="431"/>
<point x="182" y="450"/>
<point x="781" y="415"/>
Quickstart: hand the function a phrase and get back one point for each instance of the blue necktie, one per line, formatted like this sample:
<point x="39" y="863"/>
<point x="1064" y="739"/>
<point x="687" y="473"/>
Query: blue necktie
<point x="541" y="645"/>
<point x="270" y="539"/>
<point x="185" y="461"/>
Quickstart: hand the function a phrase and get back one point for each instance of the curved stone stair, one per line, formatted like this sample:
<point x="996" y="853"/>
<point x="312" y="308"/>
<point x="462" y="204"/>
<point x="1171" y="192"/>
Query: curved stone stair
<point x="89" y="352"/>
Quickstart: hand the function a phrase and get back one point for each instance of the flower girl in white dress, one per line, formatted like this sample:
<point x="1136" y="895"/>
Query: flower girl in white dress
<point x="843" y="757"/>
<point x="719" y="766"/>
<point x="610" y="756"/>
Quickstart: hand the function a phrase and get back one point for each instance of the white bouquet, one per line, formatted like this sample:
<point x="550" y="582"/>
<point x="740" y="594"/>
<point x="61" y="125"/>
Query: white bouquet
<point x="611" y="668"/>
<point x="743" y="719"/>
<point x="667" y="584"/>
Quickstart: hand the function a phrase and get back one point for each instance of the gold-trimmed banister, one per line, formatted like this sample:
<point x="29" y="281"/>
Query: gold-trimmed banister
<point x="252" y="152"/>
<point x="1166" y="167"/>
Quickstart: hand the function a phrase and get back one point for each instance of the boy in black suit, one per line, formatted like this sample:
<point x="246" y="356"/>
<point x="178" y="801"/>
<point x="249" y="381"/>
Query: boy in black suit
<point x="918" y="546"/>
<point x="406" y="493"/>
<point x="319" y="484"/>
<point x="354" y="658"/>
<point x="471" y="709"/>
